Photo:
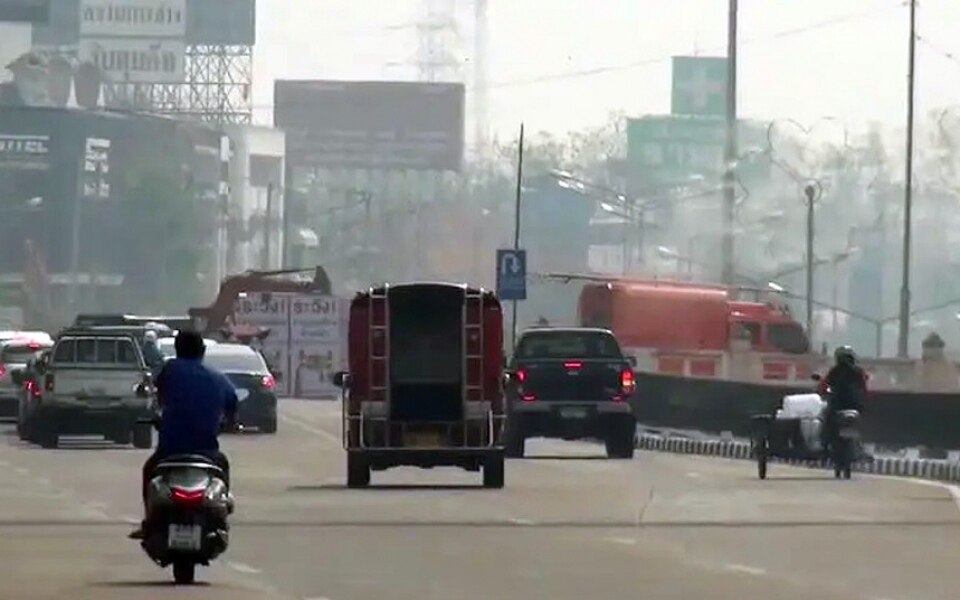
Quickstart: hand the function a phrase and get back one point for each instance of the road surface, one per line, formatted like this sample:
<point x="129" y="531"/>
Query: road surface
<point x="569" y="525"/>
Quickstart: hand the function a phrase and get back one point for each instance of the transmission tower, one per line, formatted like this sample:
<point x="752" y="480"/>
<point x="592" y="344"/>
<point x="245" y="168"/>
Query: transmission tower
<point x="437" y="38"/>
<point x="216" y="87"/>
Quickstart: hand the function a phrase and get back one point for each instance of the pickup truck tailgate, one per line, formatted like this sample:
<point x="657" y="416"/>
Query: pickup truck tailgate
<point x="581" y="380"/>
<point x="96" y="383"/>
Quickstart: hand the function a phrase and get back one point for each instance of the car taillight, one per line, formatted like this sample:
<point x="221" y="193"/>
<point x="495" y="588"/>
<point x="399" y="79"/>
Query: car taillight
<point x="3" y="369"/>
<point x="268" y="382"/>
<point x="627" y="382"/>
<point x="186" y="496"/>
<point x="32" y="388"/>
<point x="521" y="375"/>
<point x="572" y="365"/>
<point x="48" y="383"/>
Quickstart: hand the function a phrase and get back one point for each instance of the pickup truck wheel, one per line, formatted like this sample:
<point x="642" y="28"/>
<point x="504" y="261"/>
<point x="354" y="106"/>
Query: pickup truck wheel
<point x="143" y="437"/>
<point x="620" y="446"/>
<point x="48" y="437"/>
<point x="358" y="471"/>
<point x="493" y="475"/>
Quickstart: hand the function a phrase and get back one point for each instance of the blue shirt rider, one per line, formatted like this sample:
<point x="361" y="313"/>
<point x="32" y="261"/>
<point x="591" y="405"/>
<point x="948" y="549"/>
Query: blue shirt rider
<point x="194" y="400"/>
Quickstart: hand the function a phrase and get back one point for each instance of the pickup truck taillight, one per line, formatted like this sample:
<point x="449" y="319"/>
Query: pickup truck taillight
<point x="627" y="382"/>
<point x="48" y="383"/>
<point x="268" y="382"/>
<point x="3" y="369"/>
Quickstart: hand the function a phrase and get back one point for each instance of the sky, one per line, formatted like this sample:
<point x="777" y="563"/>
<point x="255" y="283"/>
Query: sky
<point x="565" y="65"/>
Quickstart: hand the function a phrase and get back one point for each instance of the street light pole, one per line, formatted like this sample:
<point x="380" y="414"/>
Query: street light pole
<point x="730" y="150"/>
<point x="810" y="191"/>
<point x="903" y="340"/>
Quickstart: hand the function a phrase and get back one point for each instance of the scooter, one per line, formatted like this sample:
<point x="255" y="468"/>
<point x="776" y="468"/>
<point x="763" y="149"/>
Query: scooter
<point x="188" y="504"/>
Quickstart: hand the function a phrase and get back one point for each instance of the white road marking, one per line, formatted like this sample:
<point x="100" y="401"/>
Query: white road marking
<point x="744" y="569"/>
<point x="21" y="470"/>
<point x="952" y="489"/>
<point x="310" y="429"/>
<point x="694" y="475"/>
<point x="621" y="540"/>
<point x="522" y="522"/>
<point x="244" y="568"/>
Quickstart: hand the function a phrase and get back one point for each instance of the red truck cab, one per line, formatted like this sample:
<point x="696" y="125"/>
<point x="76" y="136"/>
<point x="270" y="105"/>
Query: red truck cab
<point x="424" y="386"/>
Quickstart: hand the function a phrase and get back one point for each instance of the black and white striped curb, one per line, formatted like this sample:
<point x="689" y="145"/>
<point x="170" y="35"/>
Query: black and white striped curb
<point x="737" y="449"/>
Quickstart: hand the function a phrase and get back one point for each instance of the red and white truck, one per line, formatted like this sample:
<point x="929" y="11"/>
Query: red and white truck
<point x="424" y="386"/>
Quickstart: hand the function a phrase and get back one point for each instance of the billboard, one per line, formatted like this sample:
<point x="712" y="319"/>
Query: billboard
<point x="136" y="60"/>
<point x="24" y="11"/>
<point x="372" y="124"/>
<point x="197" y="22"/>
<point x="699" y="86"/>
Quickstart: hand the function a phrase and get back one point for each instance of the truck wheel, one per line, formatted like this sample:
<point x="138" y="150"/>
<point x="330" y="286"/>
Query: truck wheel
<point x="48" y="437"/>
<point x="358" y="471"/>
<point x="142" y="437"/>
<point x="493" y="473"/>
<point x="515" y="445"/>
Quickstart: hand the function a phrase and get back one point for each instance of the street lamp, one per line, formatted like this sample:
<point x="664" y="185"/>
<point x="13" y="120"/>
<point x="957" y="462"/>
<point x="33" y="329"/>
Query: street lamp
<point x="812" y="191"/>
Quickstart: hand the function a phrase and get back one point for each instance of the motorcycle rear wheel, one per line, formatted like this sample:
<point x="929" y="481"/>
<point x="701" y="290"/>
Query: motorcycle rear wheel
<point x="184" y="572"/>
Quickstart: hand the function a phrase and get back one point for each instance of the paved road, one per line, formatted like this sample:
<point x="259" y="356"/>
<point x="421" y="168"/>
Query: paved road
<point x="567" y="526"/>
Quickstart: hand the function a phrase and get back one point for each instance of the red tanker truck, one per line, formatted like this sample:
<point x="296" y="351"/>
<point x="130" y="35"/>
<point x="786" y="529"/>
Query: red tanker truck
<point x="424" y="386"/>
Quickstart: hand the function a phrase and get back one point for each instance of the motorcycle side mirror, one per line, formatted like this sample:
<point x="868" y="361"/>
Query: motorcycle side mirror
<point x="816" y="377"/>
<point x="341" y="379"/>
<point x="508" y="376"/>
<point x="142" y="390"/>
<point x="633" y="361"/>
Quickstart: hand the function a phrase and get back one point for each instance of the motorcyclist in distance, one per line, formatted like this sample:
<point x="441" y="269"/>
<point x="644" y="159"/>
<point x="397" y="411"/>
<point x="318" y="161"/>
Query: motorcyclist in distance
<point x="844" y="388"/>
<point x="194" y="401"/>
<point x="151" y="351"/>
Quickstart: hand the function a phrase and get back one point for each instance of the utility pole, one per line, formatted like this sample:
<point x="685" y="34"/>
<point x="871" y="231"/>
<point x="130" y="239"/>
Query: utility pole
<point x="516" y="233"/>
<point x="267" y="229"/>
<point x="904" y="339"/>
<point x="730" y="151"/>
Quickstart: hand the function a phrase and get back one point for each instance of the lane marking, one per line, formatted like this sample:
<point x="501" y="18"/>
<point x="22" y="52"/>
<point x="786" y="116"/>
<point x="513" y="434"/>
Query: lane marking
<point x="621" y="540"/>
<point x="522" y="522"/>
<point x="310" y="429"/>
<point x="243" y="568"/>
<point x="736" y="568"/>
<point x="694" y="475"/>
<point x="952" y="489"/>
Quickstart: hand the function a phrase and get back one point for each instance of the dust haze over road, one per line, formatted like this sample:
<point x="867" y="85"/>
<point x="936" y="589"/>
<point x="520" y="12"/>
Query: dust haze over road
<point x="569" y="524"/>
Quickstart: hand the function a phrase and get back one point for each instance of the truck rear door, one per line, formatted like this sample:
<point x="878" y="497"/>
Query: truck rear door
<point x="570" y="366"/>
<point x="96" y="367"/>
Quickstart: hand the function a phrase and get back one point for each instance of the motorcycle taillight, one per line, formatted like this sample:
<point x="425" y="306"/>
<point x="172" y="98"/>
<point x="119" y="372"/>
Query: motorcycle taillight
<point x="186" y="497"/>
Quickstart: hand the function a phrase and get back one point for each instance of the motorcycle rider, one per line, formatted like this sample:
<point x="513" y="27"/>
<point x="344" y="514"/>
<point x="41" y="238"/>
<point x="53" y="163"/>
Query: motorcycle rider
<point x="844" y="388"/>
<point x="194" y="401"/>
<point x="151" y="351"/>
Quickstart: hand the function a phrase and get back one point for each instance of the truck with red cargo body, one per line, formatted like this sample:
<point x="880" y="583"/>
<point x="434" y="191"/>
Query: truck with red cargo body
<point x="424" y="386"/>
<point x="667" y="315"/>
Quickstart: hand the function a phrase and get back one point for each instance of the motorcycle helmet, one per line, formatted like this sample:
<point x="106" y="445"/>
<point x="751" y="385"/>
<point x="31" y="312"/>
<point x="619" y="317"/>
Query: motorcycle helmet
<point x="845" y="355"/>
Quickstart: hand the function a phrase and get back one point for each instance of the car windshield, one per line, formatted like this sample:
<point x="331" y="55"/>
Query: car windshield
<point x="568" y="344"/>
<point x="236" y="362"/>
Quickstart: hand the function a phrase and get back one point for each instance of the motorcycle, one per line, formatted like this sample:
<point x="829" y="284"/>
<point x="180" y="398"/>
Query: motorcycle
<point x="845" y="445"/>
<point x="188" y="504"/>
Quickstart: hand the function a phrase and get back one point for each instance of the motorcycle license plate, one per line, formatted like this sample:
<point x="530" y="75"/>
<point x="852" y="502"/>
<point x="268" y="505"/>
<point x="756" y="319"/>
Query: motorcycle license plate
<point x="184" y="537"/>
<point x="573" y="413"/>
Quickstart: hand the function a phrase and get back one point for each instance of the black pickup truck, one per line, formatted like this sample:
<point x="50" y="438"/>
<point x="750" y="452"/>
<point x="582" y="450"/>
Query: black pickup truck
<point x="571" y="384"/>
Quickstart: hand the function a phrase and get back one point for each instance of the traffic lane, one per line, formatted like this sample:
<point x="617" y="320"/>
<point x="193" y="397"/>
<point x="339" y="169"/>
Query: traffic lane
<point x="96" y="562"/>
<point x="487" y="561"/>
<point x="576" y="495"/>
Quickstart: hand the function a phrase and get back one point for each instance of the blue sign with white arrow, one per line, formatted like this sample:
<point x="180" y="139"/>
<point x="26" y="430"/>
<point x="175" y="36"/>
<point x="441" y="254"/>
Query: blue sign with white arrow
<point x="512" y="274"/>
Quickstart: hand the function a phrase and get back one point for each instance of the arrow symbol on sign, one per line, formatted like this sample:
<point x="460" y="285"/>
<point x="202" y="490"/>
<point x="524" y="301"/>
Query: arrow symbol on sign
<point x="510" y="264"/>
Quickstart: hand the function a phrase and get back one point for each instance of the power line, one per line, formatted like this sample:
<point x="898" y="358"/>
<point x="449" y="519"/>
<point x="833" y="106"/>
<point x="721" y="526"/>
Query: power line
<point x="784" y="33"/>
<point x="939" y="50"/>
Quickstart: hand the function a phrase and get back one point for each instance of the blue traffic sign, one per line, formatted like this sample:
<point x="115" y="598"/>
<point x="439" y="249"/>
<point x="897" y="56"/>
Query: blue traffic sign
<point x="512" y="274"/>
